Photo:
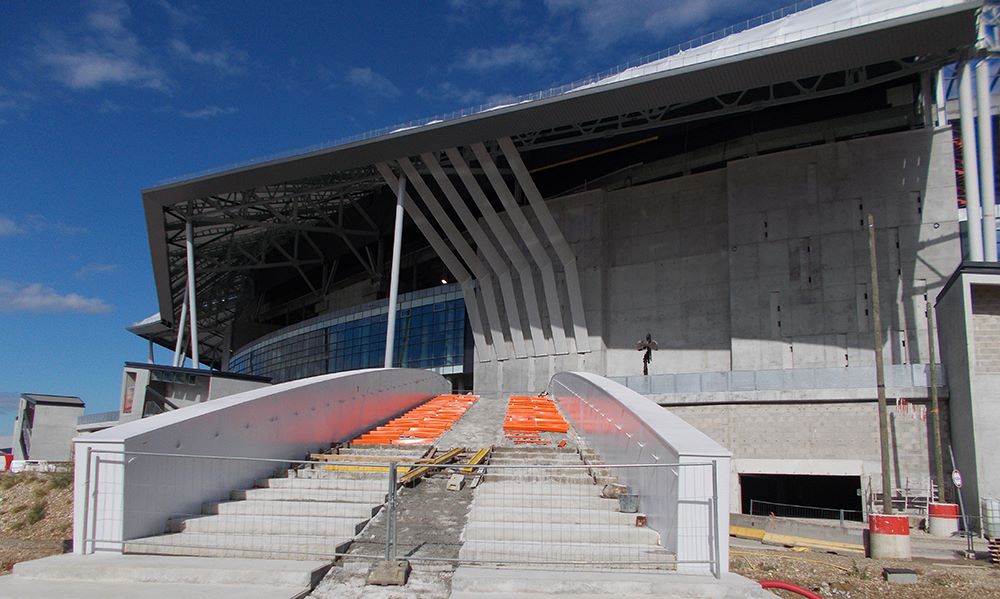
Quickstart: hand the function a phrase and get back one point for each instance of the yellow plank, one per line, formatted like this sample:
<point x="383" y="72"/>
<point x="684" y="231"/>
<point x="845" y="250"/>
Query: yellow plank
<point x="347" y="468"/>
<point x="478" y="458"/>
<point x="743" y="532"/>
<point x="771" y="538"/>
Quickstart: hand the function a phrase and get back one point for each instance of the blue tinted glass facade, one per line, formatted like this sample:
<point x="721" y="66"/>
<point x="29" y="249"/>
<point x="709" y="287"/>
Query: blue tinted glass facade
<point x="430" y="334"/>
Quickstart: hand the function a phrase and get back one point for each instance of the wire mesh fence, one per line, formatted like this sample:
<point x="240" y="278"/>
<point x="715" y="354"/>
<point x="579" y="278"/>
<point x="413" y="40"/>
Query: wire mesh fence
<point x="530" y="508"/>
<point x="788" y="510"/>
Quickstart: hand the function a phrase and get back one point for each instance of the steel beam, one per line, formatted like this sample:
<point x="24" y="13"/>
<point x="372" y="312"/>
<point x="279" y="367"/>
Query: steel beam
<point x="465" y="251"/>
<point x="538" y="254"/>
<point x="506" y="242"/>
<point x="565" y="254"/>
<point x="972" y="206"/>
<point x="986" y="165"/>
<point x="192" y="297"/>
<point x="451" y="262"/>
<point x="397" y="241"/>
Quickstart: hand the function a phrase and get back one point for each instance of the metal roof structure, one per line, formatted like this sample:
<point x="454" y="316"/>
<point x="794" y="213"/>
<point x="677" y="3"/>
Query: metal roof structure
<point x="301" y="214"/>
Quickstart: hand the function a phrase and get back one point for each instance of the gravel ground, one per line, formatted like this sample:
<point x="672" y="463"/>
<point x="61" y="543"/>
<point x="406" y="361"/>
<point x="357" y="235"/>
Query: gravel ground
<point x="36" y="516"/>
<point x="850" y="577"/>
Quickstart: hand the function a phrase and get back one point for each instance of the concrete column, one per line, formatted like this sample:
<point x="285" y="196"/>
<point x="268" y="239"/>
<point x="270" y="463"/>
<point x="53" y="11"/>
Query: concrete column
<point x="192" y="298"/>
<point x="986" y="169"/>
<point x="940" y="99"/>
<point x="397" y="238"/>
<point x="179" y="346"/>
<point x="969" y="162"/>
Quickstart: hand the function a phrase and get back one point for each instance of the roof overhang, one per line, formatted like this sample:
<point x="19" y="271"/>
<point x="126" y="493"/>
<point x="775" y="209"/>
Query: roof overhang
<point x="943" y="33"/>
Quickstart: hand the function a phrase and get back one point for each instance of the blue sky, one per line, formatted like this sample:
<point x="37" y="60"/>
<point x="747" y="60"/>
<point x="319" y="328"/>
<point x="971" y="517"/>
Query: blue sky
<point x="99" y="100"/>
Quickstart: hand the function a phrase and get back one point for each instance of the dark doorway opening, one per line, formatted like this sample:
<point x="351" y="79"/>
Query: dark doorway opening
<point x="802" y="496"/>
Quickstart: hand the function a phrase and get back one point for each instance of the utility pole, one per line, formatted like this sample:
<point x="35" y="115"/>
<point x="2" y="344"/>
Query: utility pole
<point x="935" y="414"/>
<point x="883" y="410"/>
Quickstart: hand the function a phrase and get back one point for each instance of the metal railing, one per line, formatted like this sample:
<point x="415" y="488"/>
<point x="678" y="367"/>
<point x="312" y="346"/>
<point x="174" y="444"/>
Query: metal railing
<point x="538" y="515"/>
<point x="98" y="417"/>
<point x="789" y="510"/>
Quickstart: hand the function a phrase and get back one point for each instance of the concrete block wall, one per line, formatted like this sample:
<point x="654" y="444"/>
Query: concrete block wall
<point x="986" y="328"/>
<point x="801" y="433"/>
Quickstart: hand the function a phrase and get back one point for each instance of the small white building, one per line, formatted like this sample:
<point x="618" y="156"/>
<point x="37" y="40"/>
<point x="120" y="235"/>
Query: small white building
<point x="45" y="426"/>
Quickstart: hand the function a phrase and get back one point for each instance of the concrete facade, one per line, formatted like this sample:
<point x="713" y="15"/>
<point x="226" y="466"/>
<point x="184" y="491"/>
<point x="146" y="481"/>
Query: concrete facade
<point x="969" y="321"/>
<point x="754" y="280"/>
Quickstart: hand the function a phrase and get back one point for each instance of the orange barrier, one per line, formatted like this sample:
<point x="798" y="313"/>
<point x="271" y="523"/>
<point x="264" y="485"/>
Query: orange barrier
<point x="421" y="425"/>
<point x="533" y="414"/>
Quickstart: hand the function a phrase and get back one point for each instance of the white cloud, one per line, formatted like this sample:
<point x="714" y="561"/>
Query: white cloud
<point x="106" y="52"/>
<point x="89" y="270"/>
<point x="208" y="112"/>
<point x="35" y="297"/>
<point x="367" y="80"/>
<point x="605" y="22"/>
<point x="8" y="227"/>
<point x="451" y="91"/>
<point x="502" y="57"/>
<point x="180" y="17"/>
<point x="36" y="223"/>
<point x="226" y="59"/>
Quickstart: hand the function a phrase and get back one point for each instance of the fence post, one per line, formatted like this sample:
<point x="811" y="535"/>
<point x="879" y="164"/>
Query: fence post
<point x="390" y="521"/>
<point x="752" y="513"/>
<point x="86" y="499"/>
<point x="716" y="557"/>
<point x="842" y="517"/>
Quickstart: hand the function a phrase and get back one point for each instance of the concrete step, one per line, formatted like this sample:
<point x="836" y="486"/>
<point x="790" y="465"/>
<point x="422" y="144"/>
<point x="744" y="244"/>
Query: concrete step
<point x="531" y="502"/>
<point x="487" y="583"/>
<point x="243" y="545"/>
<point x="533" y="554"/>
<point x="340" y="483"/>
<point x="559" y="533"/>
<point x="353" y="471"/>
<point x="12" y="587"/>
<point x="164" y="569"/>
<point x="283" y="525"/>
<point x="539" y="475"/>
<point x="571" y="514"/>
<point x="344" y="509"/>
<point x="522" y="487"/>
<point x="325" y="474"/>
<point x="343" y="495"/>
<point x="570" y="459"/>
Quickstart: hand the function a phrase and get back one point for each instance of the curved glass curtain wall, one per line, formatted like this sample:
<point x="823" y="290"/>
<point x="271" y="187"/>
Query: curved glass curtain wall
<point x="430" y="334"/>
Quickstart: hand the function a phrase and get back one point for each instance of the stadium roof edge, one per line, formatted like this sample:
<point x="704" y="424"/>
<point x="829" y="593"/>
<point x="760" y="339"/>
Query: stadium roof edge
<point x="942" y="31"/>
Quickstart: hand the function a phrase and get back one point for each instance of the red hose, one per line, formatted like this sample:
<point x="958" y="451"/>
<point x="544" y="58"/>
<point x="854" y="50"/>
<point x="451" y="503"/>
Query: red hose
<point x="777" y="584"/>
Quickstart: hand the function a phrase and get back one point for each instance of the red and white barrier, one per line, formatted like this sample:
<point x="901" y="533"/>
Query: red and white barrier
<point x="942" y="519"/>
<point x="889" y="536"/>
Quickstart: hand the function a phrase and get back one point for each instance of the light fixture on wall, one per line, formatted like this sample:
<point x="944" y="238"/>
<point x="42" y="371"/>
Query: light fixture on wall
<point x="444" y="281"/>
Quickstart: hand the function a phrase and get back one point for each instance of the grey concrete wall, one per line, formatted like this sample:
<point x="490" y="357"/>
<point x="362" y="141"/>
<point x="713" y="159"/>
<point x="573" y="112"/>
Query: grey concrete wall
<point x="759" y="266"/>
<point x="986" y="386"/>
<point x="52" y="433"/>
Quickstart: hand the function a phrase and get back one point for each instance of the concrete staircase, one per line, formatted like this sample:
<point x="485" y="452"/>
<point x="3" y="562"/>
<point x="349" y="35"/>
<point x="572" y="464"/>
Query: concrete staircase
<point x="312" y="511"/>
<point x="554" y="516"/>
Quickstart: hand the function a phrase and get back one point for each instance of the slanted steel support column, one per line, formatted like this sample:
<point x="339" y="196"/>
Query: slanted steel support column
<point x="467" y="254"/>
<point x="397" y="238"/>
<point x="565" y="254"/>
<point x="484" y="243"/>
<point x="972" y="206"/>
<point x="179" y="346"/>
<point x="192" y="298"/>
<point x="538" y="254"/>
<point x="451" y="262"/>
<point x="986" y="168"/>
<point x="513" y="252"/>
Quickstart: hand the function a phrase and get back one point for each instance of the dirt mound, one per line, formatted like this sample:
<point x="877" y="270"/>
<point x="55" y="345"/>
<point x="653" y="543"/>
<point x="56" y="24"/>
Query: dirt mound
<point x="36" y="516"/>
